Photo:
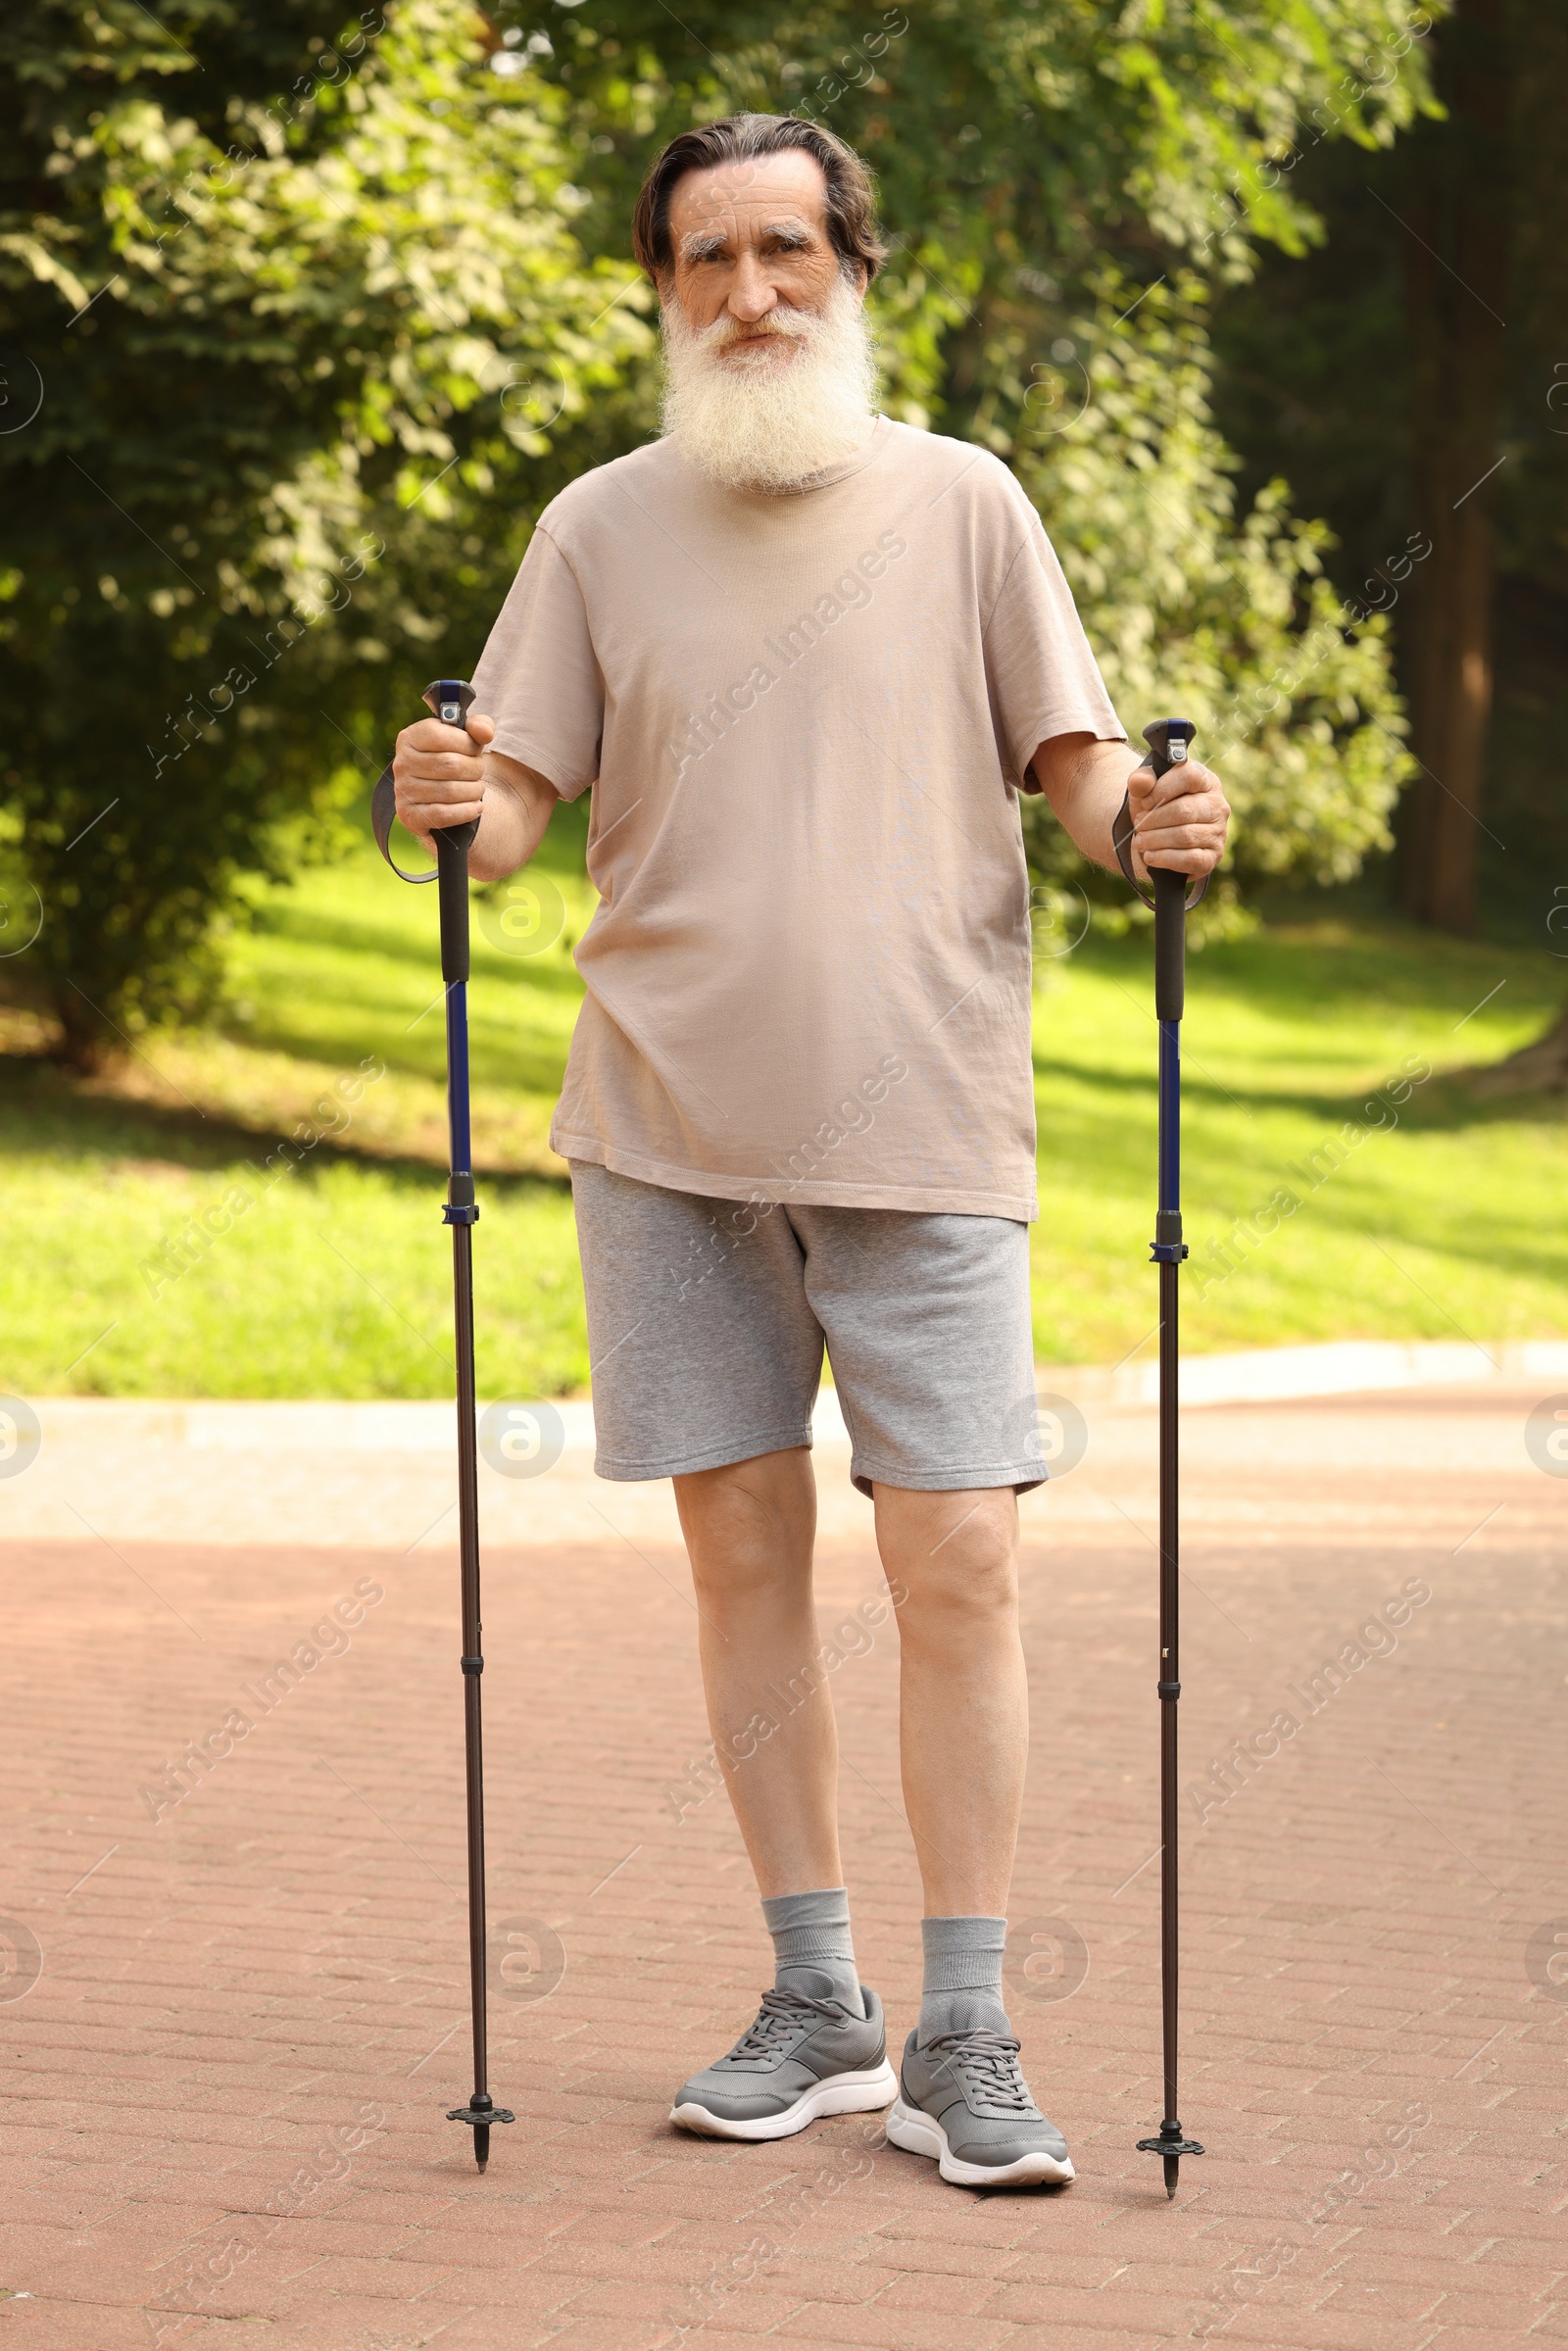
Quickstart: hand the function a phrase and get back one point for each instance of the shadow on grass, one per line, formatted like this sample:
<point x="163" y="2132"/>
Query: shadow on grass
<point x="308" y="926"/>
<point x="45" y="1110"/>
<point x="504" y="1058"/>
<point x="1438" y="1105"/>
<point x="1324" y="965"/>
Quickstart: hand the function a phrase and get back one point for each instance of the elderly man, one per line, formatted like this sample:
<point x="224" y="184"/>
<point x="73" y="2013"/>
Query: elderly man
<point x="806" y="659"/>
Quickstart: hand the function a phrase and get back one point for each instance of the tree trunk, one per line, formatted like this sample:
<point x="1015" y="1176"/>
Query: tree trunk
<point x="1537" y="1068"/>
<point x="86" y="1041"/>
<point x="1457" y="233"/>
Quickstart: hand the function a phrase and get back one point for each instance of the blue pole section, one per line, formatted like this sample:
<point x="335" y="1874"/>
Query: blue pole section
<point x="1170" y="1114"/>
<point x="457" y="1076"/>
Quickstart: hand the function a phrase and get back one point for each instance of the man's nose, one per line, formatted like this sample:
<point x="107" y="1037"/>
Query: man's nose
<point x="751" y="293"/>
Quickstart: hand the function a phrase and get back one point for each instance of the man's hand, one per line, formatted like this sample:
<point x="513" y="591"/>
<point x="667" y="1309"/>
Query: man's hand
<point x="1180" y="819"/>
<point x="439" y="774"/>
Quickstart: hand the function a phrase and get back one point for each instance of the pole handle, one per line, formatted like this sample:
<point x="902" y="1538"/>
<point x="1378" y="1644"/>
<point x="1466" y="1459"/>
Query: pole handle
<point x="450" y="699"/>
<point x="1170" y="943"/>
<point x="1169" y="741"/>
<point x="452" y="896"/>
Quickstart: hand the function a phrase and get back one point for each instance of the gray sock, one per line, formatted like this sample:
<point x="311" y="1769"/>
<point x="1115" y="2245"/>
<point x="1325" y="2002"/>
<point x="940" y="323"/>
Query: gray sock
<point x="962" y="1989"/>
<point x="812" y="1952"/>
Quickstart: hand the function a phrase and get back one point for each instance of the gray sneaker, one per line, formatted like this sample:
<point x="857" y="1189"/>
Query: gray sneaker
<point x="802" y="2057"/>
<point x="963" y="2099"/>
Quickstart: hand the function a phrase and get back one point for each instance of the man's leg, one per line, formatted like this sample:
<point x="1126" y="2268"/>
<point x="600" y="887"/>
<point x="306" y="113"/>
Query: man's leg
<point x="817" y="2045"/>
<point x="749" y="1528"/>
<point x="952" y="1563"/>
<point x="706" y="1357"/>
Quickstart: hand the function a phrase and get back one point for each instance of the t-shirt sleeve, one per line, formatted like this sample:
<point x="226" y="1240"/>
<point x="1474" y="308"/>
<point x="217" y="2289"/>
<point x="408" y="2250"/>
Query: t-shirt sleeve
<point x="1044" y="680"/>
<point x="538" y="676"/>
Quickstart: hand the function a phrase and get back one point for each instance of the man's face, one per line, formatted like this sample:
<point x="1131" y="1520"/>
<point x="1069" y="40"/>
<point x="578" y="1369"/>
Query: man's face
<point x="748" y="239"/>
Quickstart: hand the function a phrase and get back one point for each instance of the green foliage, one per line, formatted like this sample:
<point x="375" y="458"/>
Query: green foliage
<point x="1004" y="135"/>
<point x="1229" y="622"/>
<point x="323" y="306"/>
<point x="284" y="352"/>
<point x="1043" y="170"/>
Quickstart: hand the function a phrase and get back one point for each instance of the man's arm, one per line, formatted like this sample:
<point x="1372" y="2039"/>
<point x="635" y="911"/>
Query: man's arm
<point x="444" y="776"/>
<point x="1179" y="818"/>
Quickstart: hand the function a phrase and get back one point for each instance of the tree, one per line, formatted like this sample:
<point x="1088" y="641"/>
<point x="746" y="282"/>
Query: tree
<point x="1065" y="185"/>
<point x="287" y="326"/>
<point x="1380" y="370"/>
<point x="314" y="346"/>
<point x="1410" y="373"/>
<point x="1456" y="267"/>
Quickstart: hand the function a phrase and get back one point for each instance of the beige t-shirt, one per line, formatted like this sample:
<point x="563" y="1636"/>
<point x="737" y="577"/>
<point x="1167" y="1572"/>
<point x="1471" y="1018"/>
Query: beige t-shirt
<point x="807" y="719"/>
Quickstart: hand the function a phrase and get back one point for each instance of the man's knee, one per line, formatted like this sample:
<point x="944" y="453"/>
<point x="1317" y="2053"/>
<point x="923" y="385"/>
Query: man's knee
<point x="748" y="1521"/>
<point x="956" y="1554"/>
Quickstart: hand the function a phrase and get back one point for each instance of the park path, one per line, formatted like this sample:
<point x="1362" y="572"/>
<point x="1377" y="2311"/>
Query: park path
<point x="225" y="2091"/>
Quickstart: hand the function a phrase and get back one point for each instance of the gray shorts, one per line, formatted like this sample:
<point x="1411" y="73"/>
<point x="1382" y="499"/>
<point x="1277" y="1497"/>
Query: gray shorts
<point x="707" y="1321"/>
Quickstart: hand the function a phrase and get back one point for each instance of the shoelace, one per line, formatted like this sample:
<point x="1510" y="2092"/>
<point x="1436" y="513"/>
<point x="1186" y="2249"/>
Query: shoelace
<point x="781" y="2015"/>
<point x="987" y="2063"/>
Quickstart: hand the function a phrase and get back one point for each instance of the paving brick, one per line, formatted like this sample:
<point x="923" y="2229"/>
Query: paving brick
<point x="1035" y="2305"/>
<point x="275" y="1956"/>
<point x="1477" y="2308"/>
<point x="954" y="2297"/>
<point x="609" y="2334"/>
<point x="74" y="2326"/>
<point x="522" y="2291"/>
<point x="399" y="2280"/>
<point x="466" y="2329"/>
<point x="895" y="2329"/>
<point x="1059" y="2265"/>
<point x="1463" y="2338"/>
<point x="1319" y="2331"/>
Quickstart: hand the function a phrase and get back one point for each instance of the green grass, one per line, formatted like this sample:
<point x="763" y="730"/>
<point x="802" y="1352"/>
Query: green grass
<point x="1444" y="1225"/>
<point x="333" y="1278"/>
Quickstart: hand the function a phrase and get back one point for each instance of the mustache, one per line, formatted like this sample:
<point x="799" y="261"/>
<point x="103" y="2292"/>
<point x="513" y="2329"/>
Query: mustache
<point x="781" y="320"/>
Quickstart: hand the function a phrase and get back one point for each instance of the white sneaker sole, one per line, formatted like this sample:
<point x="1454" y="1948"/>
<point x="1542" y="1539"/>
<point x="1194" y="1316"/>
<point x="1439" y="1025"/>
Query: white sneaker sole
<point x="840" y="2094"/>
<point x="920" y="2134"/>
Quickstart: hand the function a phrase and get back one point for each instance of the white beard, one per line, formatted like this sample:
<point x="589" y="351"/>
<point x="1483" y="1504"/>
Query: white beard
<point x="761" y="421"/>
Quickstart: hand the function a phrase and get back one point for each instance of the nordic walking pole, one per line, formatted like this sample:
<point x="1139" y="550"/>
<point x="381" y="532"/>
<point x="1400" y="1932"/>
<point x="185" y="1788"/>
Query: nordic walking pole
<point x="449" y="700"/>
<point x="1168" y="740"/>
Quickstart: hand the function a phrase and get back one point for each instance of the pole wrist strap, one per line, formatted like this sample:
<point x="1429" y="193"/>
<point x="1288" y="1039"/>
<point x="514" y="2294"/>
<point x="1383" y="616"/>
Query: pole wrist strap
<point x="383" y="808"/>
<point x="1121" y="840"/>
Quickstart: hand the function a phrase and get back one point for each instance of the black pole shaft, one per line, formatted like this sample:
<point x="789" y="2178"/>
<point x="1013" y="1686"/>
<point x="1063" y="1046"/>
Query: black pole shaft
<point x="452" y="844"/>
<point x="1168" y="744"/>
<point x="1170" y="1679"/>
<point x="472" y="1644"/>
<point x="449" y="700"/>
<point x="451" y="858"/>
<point x="1170" y="994"/>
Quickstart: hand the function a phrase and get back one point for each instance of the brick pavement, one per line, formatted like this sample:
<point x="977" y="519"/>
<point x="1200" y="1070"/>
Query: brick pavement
<point x="225" y="2094"/>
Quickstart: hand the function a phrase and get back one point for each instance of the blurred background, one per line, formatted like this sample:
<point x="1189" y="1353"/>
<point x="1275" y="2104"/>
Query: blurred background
<point x="305" y="314"/>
